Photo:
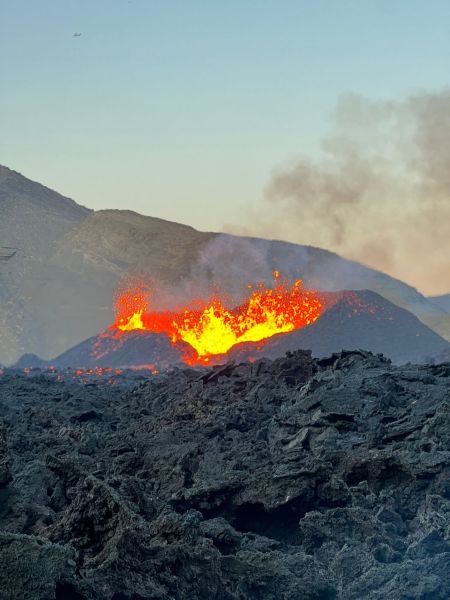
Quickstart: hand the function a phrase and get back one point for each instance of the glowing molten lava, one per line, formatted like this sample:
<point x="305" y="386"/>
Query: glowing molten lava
<point x="213" y="329"/>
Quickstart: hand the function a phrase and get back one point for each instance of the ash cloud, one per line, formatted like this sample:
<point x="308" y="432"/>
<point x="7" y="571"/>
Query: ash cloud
<point x="379" y="194"/>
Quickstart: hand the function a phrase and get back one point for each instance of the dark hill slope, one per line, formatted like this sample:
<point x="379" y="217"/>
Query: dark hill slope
<point x="365" y="320"/>
<point x="135" y="349"/>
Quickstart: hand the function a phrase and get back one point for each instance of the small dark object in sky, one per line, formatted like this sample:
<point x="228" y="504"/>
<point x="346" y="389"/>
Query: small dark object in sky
<point x="76" y="34"/>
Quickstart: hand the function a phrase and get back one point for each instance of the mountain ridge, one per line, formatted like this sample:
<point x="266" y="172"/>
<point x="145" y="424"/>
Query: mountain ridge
<point x="443" y="301"/>
<point x="58" y="290"/>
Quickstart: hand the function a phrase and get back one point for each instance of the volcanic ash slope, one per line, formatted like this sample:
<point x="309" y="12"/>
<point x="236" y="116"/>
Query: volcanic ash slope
<point x="297" y="478"/>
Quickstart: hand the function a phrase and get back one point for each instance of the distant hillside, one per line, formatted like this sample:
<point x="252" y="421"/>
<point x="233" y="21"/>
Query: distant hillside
<point x="34" y="217"/>
<point x="442" y="301"/>
<point x="57" y="290"/>
<point x="33" y="220"/>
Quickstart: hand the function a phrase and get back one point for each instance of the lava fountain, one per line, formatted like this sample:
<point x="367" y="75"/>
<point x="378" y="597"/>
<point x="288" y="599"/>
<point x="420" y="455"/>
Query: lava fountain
<point x="211" y="328"/>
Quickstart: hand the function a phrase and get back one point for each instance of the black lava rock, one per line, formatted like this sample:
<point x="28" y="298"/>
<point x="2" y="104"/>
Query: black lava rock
<point x="274" y="480"/>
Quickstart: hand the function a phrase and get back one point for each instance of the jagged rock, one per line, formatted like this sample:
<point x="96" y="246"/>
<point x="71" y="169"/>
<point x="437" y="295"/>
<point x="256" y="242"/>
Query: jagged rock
<point x="293" y="478"/>
<point x="5" y="473"/>
<point x="32" y="568"/>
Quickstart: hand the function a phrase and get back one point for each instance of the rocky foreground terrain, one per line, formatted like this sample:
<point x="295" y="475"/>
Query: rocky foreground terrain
<point x="287" y="479"/>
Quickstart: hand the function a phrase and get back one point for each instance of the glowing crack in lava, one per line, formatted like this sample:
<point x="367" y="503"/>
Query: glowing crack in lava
<point x="212" y="329"/>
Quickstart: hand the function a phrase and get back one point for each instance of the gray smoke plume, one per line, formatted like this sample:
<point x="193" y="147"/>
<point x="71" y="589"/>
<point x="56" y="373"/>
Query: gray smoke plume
<point x="380" y="194"/>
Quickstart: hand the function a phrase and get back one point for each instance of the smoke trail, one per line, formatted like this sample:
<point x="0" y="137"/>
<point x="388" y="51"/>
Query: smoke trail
<point x="381" y="192"/>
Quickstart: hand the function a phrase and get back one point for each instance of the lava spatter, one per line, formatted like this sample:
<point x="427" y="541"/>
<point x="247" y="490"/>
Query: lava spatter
<point x="212" y="329"/>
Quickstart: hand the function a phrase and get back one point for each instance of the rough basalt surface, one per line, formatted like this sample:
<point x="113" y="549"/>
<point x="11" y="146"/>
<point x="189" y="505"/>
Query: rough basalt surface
<point x="283" y="480"/>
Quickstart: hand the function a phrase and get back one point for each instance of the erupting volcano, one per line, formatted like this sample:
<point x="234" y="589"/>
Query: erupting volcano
<point x="211" y="328"/>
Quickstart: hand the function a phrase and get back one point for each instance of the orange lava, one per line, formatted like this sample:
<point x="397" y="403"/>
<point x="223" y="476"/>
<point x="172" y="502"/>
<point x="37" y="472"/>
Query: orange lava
<point x="212" y="329"/>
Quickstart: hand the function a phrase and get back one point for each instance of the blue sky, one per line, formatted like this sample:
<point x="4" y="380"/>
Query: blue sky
<point x="183" y="109"/>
